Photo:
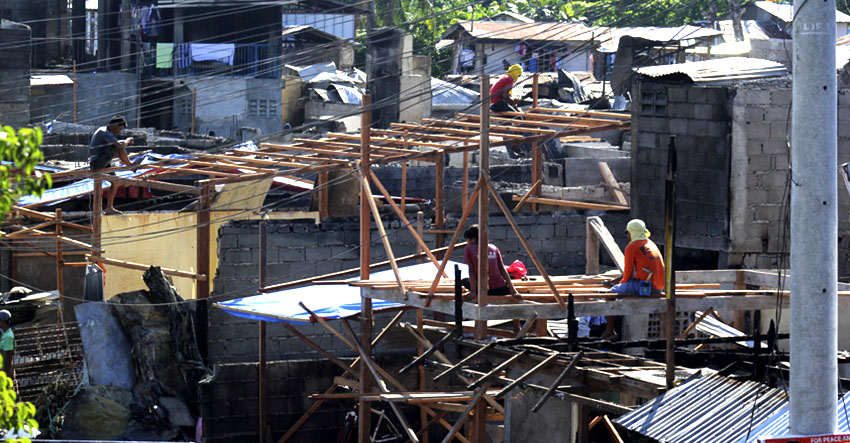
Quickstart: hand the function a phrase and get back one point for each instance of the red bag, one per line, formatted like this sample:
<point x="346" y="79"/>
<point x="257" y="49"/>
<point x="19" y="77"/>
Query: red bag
<point x="517" y="270"/>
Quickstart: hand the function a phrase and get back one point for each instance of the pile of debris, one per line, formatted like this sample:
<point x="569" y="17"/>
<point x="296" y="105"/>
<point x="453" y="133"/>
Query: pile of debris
<point x="143" y="367"/>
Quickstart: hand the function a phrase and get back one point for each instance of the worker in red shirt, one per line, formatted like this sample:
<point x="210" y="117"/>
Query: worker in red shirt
<point x="500" y="92"/>
<point x="643" y="267"/>
<point x="498" y="279"/>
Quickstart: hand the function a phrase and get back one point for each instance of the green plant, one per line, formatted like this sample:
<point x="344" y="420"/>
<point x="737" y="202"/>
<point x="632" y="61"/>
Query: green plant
<point x="14" y="415"/>
<point x="19" y="155"/>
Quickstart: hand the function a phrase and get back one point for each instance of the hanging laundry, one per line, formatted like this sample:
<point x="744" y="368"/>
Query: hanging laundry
<point x="222" y="52"/>
<point x="151" y="21"/>
<point x="164" y="55"/>
<point x="183" y="55"/>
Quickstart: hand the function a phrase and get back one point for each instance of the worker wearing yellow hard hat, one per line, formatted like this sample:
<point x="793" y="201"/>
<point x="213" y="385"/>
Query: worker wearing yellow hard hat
<point x="500" y="92"/>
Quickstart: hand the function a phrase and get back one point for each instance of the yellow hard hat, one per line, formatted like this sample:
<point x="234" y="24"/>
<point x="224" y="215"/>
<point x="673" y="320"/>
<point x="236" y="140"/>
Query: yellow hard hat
<point x="515" y="71"/>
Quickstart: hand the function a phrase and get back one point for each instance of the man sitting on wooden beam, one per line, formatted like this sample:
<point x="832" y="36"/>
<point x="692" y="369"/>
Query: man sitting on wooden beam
<point x="105" y="146"/>
<point x="643" y="268"/>
<point x="498" y="279"/>
<point x="500" y="92"/>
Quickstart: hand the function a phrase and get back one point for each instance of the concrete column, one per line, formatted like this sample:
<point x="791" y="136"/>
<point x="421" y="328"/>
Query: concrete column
<point x="814" y="221"/>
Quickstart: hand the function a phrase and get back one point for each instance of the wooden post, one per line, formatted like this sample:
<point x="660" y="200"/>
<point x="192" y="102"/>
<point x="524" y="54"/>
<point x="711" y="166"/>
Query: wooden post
<point x="364" y="422"/>
<point x="423" y="414"/>
<point x="202" y="258"/>
<point x="324" y="206"/>
<point x="464" y="198"/>
<point x="591" y="248"/>
<point x="669" y="248"/>
<point x="479" y="422"/>
<point x="534" y="91"/>
<point x="439" y="203"/>
<point x="403" y="182"/>
<point x="194" y="103"/>
<point x="536" y="163"/>
<point x="483" y="204"/>
<point x="261" y="376"/>
<point x="96" y="212"/>
<point x="75" y="93"/>
<point x="60" y="267"/>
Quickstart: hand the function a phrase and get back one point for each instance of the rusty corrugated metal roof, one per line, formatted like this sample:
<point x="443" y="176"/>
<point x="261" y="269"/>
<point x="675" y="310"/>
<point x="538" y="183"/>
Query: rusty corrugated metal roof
<point x="723" y="70"/>
<point x="527" y="31"/>
<point x="706" y="408"/>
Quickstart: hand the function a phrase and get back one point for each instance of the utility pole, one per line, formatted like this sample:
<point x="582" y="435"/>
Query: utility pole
<point x="814" y="221"/>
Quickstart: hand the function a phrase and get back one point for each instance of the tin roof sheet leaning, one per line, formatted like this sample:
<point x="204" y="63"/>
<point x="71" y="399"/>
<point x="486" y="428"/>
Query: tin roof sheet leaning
<point x="724" y="70"/>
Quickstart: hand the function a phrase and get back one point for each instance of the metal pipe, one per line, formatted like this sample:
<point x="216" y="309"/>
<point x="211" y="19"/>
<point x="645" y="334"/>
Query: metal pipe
<point x="814" y="220"/>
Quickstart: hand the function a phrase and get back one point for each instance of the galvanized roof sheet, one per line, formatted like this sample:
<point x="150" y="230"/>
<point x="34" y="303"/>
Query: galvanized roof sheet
<point x="658" y="34"/>
<point x="721" y="70"/>
<point x="527" y="31"/>
<point x="706" y="408"/>
<point x="779" y="425"/>
<point x="785" y="11"/>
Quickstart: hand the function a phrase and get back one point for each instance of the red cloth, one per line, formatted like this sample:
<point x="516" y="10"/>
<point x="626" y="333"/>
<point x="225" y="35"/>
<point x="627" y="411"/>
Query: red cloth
<point x="642" y="254"/>
<point x="504" y="84"/>
<point x="494" y="278"/>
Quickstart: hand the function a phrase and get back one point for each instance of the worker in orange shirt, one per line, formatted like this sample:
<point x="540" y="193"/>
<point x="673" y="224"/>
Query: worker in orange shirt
<point x="643" y="271"/>
<point x="643" y="267"/>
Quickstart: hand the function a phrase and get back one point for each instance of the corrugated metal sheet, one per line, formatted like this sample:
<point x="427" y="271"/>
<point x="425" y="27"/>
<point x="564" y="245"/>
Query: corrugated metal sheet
<point x="528" y="31"/>
<point x="724" y="70"/>
<point x="661" y="35"/>
<point x="340" y="25"/>
<point x="778" y="425"/>
<point x="785" y="11"/>
<point x="445" y="93"/>
<point x="706" y="408"/>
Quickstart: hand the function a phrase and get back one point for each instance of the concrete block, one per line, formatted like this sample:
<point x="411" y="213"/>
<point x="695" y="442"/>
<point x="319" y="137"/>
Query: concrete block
<point x="291" y="255"/>
<point x="677" y="94"/>
<point x="780" y="97"/>
<point x="697" y="94"/>
<point x="678" y="126"/>
<point x="697" y="128"/>
<point x="756" y="96"/>
<point x="774" y="146"/>
<point x="780" y="129"/>
<point x="717" y="129"/>
<point x="780" y="161"/>
<point x="755" y="114"/>
<point x="757" y="130"/>
<point x="681" y="110"/>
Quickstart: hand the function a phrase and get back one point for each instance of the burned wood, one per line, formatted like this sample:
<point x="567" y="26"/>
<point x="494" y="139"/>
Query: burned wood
<point x="557" y="382"/>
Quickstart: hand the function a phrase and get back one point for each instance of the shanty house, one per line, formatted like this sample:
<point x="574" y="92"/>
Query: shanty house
<point x="731" y="123"/>
<point x="537" y="46"/>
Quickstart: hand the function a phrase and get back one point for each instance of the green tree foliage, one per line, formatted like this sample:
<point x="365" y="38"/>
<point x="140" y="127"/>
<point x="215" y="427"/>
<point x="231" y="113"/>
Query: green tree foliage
<point x="14" y="416"/>
<point x="426" y="20"/>
<point x="19" y="154"/>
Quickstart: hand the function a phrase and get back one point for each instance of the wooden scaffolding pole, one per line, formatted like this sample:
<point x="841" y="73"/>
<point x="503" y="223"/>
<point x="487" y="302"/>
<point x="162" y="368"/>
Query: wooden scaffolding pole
<point x="261" y="339"/>
<point x="364" y="414"/>
<point x="483" y="204"/>
<point x="420" y="317"/>
<point x="536" y="157"/>
<point x="60" y="267"/>
<point x="439" y="200"/>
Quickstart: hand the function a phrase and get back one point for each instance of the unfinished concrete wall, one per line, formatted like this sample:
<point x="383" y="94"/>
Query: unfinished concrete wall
<point x="699" y="117"/>
<point x="225" y="105"/>
<point x="46" y="20"/>
<point x="100" y="96"/>
<point x="760" y="175"/>
<point x="299" y="249"/>
<point x="15" y="41"/>
<point x="229" y="402"/>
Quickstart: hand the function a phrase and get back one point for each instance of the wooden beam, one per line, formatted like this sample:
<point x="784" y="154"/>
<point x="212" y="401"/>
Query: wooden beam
<point x="597" y="226"/>
<point x="527" y="195"/>
<point x="573" y="204"/>
<point x="531" y="254"/>
<point x="527" y="375"/>
<point x="202" y="241"/>
<point x="404" y="220"/>
<point x="155" y="184"/>
<point x="612" y="183"/>
<point x="367" y="190"/>
<point x="141" y="267"/>
<point x="466" y="414"/>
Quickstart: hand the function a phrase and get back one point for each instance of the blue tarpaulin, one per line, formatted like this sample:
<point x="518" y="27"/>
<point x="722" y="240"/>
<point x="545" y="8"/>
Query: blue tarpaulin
<point x="327" y="301"/>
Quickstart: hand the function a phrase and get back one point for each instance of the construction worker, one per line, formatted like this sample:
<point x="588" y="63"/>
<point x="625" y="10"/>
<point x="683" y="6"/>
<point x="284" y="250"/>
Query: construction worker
<point x="643" y="267"/>
<point x="7" y="344"/>
<point x="643" y="271"/>
<point x="498" y="280"/>
<point x="105" y="146"/>
<point x="500" y="92"/>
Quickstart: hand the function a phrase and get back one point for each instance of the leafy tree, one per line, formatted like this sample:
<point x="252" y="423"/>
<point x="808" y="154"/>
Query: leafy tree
<point x="14" y="416"/>
<point x="19" y="155"/>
